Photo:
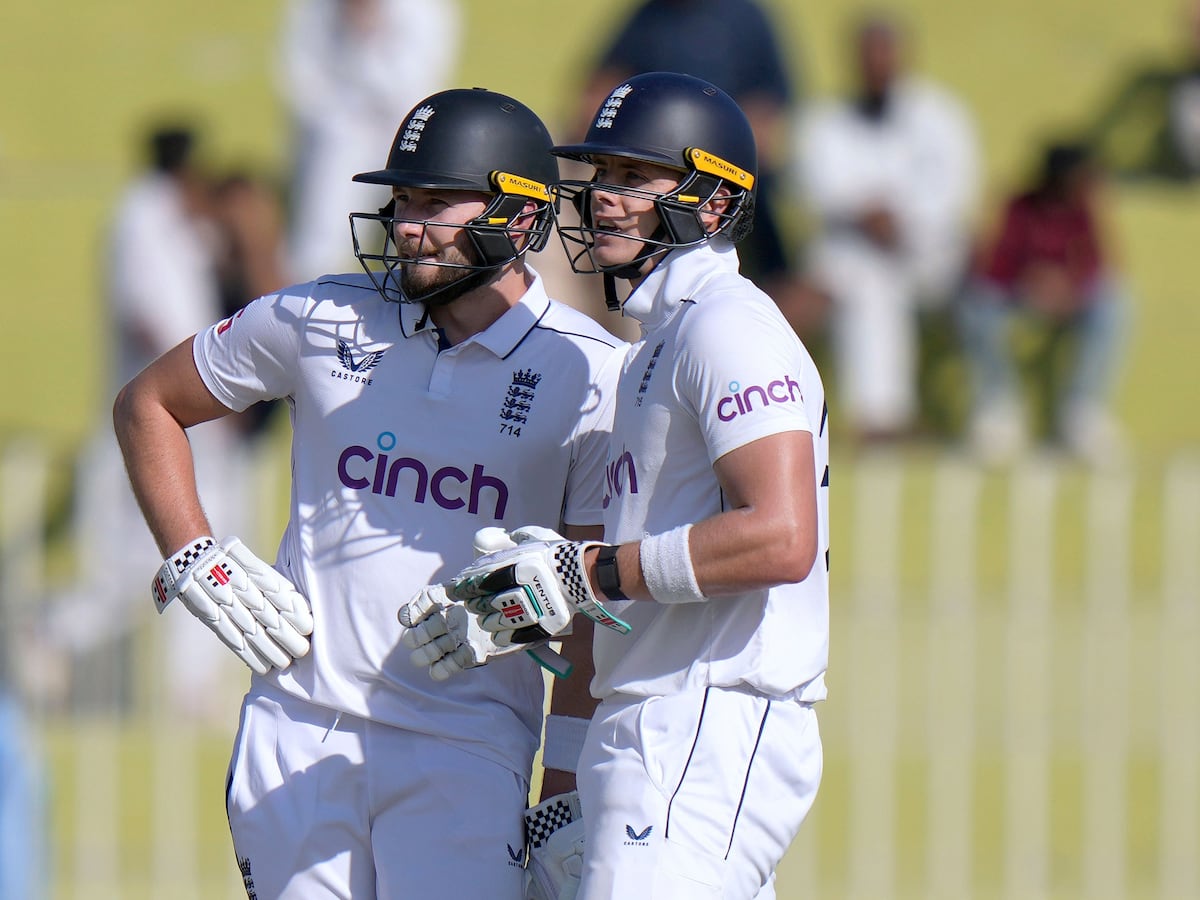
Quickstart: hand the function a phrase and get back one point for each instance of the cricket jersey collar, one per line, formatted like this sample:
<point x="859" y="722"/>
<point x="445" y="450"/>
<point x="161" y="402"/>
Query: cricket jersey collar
<point x="503" y="335"/>
<point x="676" y="280"/>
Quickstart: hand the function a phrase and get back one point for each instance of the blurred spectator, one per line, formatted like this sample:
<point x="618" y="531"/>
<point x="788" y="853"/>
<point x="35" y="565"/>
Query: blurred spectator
<point x="250" y="259"/>
<point x="1151" y="126"/>
<point x="161" y="287"/>
<point x="734" y="45"/>
<point x="1050" y="264"/>
<point x="250" y="252"/>
<point x="160" y="276"/>
<point x="890" y="178"/>
<point x="350" y="70"/>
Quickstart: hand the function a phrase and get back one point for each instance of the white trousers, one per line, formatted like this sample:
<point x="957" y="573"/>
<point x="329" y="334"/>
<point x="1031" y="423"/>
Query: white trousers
<point x="341" y="807"/>
<point x="695" y="795"/>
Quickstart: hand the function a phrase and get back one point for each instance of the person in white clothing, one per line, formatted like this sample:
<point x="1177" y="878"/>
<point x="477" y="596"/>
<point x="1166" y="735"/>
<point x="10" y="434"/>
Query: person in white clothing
<point x="161" y="286"/>
<point x="474" y="400"/>
<point x="890" y="178"/>
<point x="348" y="70"/>
<point x="703" y="756"/>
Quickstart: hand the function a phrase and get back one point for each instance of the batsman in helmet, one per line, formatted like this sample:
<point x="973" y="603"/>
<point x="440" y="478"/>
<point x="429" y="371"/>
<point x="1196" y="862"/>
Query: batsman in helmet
<point x="437" y="392"/>
<point x="703" y="757"/>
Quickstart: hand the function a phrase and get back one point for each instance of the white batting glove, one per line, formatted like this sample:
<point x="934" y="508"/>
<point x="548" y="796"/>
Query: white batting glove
<point x="253" y="609"/>
<point x="534" y="588"/>
<point x="447" y="638"/>
<point x="554" y="832"/>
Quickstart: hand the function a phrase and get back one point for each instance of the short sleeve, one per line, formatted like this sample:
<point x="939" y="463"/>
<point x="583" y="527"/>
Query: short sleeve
<point x="252" y="355"/>
<point x="742" y="373"/>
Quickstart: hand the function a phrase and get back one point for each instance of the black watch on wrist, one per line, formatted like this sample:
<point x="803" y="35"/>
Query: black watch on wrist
<point x="608" y="576"/>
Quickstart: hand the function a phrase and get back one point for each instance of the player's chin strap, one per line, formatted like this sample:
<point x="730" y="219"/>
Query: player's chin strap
<point x="633" y="269"/>
<point x="611" y="300"/>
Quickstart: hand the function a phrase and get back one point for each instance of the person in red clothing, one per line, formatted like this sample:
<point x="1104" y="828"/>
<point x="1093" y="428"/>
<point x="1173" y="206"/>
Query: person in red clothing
<point x="1050" y="262"/>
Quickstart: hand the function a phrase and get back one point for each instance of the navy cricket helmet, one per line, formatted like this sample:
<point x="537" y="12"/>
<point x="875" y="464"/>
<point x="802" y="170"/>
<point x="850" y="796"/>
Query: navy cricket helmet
<point x="471" y="140"/>
<point x="672" y="120"/>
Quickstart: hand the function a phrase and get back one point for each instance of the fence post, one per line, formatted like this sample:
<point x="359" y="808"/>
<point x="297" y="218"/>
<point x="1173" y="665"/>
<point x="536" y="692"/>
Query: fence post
<point x="1179" y="673"/>
<point x="873" y="694"/>
<point x="951" y="682"/>
<point x="1026" y="669"/>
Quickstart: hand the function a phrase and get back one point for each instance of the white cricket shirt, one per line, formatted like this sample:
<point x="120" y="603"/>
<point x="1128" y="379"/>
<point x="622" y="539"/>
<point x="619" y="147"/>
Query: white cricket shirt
<point x="400" y="452"/>
<point x="717" y="367"/>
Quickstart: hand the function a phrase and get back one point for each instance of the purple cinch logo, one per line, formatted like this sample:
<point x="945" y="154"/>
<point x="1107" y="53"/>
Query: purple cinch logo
<point x="362" y="469"/>
<point x="741" y="401"/>
<point x="619" y="473"/>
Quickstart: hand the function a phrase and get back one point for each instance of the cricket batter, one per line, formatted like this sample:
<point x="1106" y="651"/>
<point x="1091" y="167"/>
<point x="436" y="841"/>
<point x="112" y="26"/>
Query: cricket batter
<point x="703" y="756"/>
<point x="437" y="392"/>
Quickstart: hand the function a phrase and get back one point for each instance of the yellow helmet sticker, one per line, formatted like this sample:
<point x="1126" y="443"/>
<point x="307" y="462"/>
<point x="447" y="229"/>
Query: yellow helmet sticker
<point x="714" y="165"/>
<point x="507" y="183"/>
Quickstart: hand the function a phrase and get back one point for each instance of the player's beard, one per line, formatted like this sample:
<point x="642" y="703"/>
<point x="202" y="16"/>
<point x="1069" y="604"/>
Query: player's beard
<point x="439" y="285"/>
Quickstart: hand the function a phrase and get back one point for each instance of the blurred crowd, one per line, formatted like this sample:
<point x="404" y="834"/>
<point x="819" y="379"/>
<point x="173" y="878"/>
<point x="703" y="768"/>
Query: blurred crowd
<point x="942" y="308"/>
<point x="934" y="314"/>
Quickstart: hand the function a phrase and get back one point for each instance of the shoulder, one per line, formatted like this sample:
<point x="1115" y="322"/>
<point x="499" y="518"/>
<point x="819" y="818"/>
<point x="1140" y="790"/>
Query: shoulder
<point x="823" y="113"/>
<point x="330" y="298"/>
<point x="346" y="287"/>
<point x="351" y="293"/>
<point x="729" y="310"/>
<point x="566" y="323"/>
<point x="932" y="97"/>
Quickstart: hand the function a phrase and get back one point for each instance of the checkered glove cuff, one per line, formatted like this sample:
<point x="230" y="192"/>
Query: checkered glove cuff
<point x="163" y="589"/>
<point x="569" y="567"/>
<point x="549" y="816"/>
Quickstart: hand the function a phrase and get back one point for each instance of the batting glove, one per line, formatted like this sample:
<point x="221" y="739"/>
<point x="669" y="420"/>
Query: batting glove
<point x="554" y="832"/>
<point x="253" y="609"/>
<point x="445" y="636"/>
<point x="534" y="588"/>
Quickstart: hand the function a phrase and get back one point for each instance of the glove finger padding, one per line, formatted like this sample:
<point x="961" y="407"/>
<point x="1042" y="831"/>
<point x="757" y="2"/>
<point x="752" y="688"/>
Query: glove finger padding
<point x="530" y="533"/>
<point x="250" y="606"/>
<point x="555" y="833"/>
<point x="444" y="636"/>
<point x="286" y="615"/>
<point x="492" y="539"/>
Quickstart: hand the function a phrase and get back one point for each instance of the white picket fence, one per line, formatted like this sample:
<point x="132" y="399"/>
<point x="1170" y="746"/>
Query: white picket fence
<point x="1014" y="702"/>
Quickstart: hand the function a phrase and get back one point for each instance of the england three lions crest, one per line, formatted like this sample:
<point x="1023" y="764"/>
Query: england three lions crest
<point x="518" y="401"/>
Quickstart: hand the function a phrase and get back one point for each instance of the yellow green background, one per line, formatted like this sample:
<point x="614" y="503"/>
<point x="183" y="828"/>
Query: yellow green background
<point x="79" y="79"/>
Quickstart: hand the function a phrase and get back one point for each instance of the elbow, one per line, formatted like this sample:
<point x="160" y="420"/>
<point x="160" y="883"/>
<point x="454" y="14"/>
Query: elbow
<point x="799" y="562"/>
<point x="122" y="411"/>
<point x="127" y="410"/>
<point x="793" y="554"/>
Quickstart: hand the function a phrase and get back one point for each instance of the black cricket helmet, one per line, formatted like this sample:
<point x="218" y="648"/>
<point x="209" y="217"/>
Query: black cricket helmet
<point x="672" y="120"/>
<point x="470" y="140"/>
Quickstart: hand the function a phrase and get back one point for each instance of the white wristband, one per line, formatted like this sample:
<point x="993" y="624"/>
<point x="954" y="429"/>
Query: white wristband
<point x="667" y="567"/>
<point x="564" y="742"/>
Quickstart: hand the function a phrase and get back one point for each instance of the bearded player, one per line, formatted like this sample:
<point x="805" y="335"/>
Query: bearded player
<point x="438" y="391"/>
